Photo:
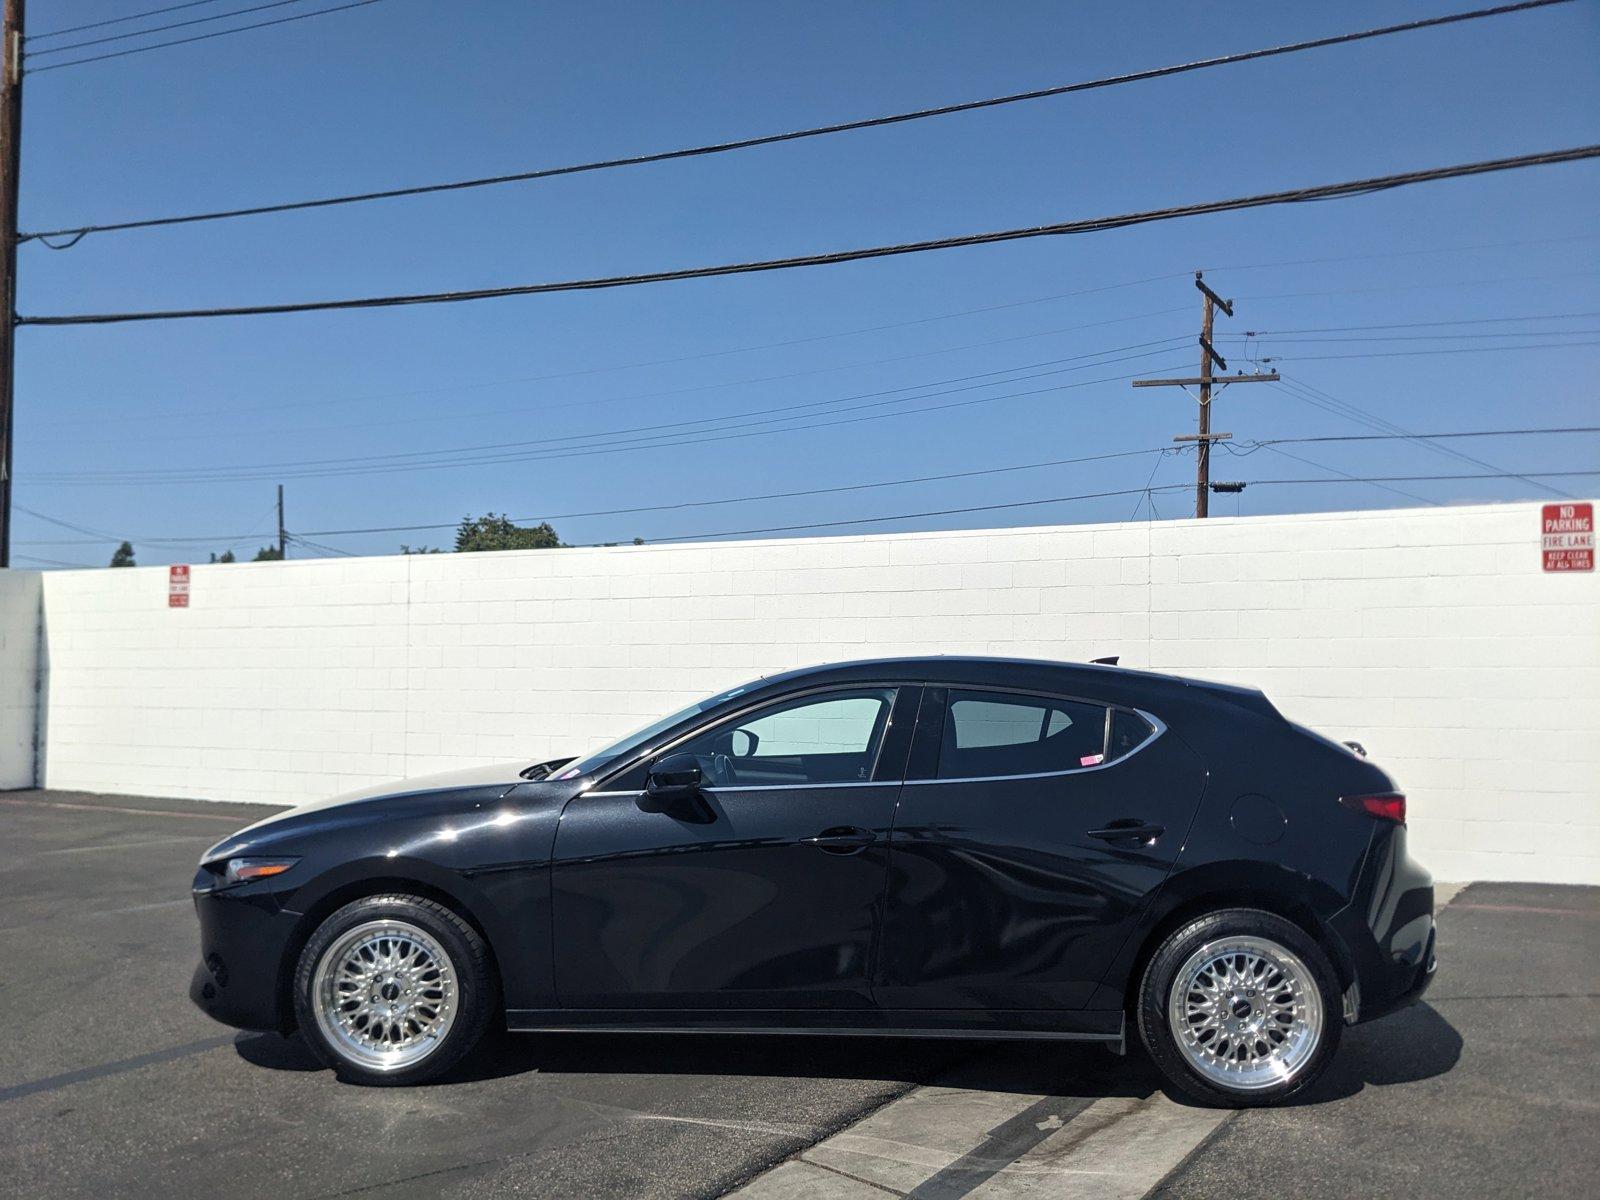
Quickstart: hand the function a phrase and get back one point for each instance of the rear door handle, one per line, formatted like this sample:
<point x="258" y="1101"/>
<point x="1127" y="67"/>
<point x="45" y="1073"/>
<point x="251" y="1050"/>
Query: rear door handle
<point x="842" y="839"/>
<point x="1129" y="830"/>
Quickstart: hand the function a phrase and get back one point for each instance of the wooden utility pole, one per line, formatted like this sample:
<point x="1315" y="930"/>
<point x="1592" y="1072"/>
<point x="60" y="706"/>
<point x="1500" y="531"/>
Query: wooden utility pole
<point x="10" y="161"/>
<point x="1208" y="306"/>
<point x="1209" y="359"/>
<point x="283" y="538"/>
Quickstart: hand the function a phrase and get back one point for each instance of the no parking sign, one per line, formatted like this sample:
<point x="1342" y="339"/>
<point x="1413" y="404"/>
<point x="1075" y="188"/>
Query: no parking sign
<point x="1568" y="537"/>
<point x="178" y="586"/>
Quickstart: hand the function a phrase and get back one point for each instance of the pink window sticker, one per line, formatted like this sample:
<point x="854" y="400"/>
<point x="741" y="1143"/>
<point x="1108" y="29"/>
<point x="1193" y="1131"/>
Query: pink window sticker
<point x="1091" y="760"/>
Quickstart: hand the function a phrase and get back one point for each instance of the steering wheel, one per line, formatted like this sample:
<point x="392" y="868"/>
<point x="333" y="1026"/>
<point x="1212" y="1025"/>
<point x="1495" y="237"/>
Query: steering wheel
<point x="722" y="773"/>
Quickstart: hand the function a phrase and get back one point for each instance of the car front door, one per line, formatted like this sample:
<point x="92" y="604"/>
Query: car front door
<point x="1031" y="833"/>
<point x="763" y="891"/>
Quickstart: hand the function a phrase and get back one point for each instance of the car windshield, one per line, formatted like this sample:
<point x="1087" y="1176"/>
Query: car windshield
<point x="625" y="746"/>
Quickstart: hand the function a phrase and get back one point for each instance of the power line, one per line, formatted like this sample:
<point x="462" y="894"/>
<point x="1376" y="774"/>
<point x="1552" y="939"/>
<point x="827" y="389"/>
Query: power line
<point x="946" y="512"/>
<point x="1339" y="258"/>
<point x="1347" y="475"/>
<point x="54" y="562"/>
<point x="1259" y="333"/>
<point x="983" y="378"/>
<point x="1326" y="400"/>
<point x="206" y="37"/>
<point x="1329" y="191"/>
<point x="1275" y="358"/>
<point x="138" y="33"/>
<point x="1430" y="478"/>
<point x="139" y="16"/>
<point x="672" y="507"/>
<point x="813" y="338"/>
<point x="695" y="438"/>
<point x="1419" y="287"/>
<point x="586" y="403"/>
<point x="1390" y="437"/>
<point x="1292" y="340"/>
<point x="795" y="135"/>
<point x="297" y="540"/>
<point x="805" y="493"/>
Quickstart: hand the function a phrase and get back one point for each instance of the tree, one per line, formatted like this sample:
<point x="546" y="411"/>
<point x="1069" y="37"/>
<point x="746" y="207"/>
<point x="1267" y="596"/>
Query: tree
<point x="268" y="554"/>
<point x="405" y="549"/>
<point x="226" y="556"/>
<point x="124" y="556"/>
<point x="492" y="532"/>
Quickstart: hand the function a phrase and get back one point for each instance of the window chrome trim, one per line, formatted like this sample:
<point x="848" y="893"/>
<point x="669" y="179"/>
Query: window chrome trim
<point x="1157" y="726"/>
<point x="717" y="790"/>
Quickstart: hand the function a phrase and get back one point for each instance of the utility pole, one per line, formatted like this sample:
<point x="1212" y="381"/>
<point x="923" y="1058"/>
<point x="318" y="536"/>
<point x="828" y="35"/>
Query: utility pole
<point x="283" y="538"/>
<point x="10" y="162"/>
<point x="1209" y="358"/>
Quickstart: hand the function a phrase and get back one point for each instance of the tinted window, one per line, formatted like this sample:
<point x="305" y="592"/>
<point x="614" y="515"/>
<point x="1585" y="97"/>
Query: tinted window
<point x="1128" y="731"/>
<point x="831" y="738"/>
<point x="997" y="733"/>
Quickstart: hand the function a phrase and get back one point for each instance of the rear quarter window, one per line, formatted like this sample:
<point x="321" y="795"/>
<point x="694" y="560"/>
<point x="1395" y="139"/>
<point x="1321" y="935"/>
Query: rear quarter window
<point x="1129" y="731"/>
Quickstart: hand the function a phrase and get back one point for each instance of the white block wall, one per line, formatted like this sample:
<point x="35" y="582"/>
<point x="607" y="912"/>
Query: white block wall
<point x="1430" y="635"/>
<point x="19" y="675"/>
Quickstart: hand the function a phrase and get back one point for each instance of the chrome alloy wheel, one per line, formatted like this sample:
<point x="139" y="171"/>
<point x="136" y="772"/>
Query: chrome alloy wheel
<point x="385" y="995"/>
<point x="1246" y="1013"/>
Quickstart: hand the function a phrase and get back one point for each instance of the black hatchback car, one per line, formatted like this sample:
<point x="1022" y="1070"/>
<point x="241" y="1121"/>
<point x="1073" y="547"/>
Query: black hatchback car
<point x="934" y="846"/>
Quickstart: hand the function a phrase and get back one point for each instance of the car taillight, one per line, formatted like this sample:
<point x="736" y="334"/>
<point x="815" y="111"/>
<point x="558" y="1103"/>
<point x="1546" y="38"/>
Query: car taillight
<point x="1391" y="806"/>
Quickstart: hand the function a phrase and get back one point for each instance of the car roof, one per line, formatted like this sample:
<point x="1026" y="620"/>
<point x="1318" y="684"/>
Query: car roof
<point x="1114" y="683"/>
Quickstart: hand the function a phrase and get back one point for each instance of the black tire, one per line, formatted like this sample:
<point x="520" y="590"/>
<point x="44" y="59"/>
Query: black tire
<point x="477" y="993"/>
<point x="1161" y="976"/>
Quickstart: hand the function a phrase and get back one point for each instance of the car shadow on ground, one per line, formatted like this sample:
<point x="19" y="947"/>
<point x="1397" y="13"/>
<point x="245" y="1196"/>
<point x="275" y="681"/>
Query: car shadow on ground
<point x="1032" y="1068"/>
<point x="1413" y="1044"/>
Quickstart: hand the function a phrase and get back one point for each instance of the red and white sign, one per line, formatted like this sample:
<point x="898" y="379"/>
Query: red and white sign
<point x="1568" y="531"/>
<point x="178" y="586"/>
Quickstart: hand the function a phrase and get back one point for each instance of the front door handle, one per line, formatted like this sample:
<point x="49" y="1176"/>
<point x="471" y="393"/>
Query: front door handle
<point x="841" y="839"/>
<point x="1130" y="829"/>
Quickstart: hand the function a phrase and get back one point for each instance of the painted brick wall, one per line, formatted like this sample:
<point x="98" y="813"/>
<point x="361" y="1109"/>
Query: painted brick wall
<point x="19" y="643"/>
<point x="1430" y="635"/>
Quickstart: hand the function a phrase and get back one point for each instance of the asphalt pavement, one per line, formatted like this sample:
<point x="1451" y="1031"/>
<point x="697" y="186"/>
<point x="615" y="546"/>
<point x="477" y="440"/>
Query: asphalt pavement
<point x="112" y="1084"/>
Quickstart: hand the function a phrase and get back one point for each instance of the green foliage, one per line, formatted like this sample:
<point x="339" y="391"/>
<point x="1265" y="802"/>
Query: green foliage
<point x="124" y="556"/>
<point x="492" y="532"/>
<point x="404" y="549"/>
<point x="268" y="554"/>
<point x="225" y="557"/>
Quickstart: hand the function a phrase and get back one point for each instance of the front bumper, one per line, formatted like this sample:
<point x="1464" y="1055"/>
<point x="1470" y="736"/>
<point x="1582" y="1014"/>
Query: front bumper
<point x="244" y="939"/>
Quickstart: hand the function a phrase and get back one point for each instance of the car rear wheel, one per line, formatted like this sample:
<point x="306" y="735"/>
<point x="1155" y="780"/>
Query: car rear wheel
<point x="393" y="990"/>
<point x="1240" y="1008"/>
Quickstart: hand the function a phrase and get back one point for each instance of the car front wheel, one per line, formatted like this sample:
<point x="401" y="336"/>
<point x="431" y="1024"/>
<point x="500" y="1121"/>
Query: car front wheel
<point x="1240" y="1008"/>
<point x="393" y="990"/>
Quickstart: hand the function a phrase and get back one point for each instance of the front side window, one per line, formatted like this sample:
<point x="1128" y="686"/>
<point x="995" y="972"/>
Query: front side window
<point x="820" y="739"/>
<point x="1000" y="733"/>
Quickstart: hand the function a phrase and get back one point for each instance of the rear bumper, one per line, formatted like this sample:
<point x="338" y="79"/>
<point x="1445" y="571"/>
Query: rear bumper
<point x="1389" y="929"/>
<point x="244" y="936"/>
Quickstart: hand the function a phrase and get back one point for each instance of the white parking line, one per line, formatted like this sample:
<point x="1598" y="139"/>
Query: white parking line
<point x="166" y="841"/>
<point x="938" y="1143"/>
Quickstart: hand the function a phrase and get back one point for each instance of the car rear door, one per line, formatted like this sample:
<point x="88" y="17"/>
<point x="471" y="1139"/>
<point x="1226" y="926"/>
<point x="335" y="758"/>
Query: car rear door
<point x="766" y="892"/>
<point x="1031" y="833"/>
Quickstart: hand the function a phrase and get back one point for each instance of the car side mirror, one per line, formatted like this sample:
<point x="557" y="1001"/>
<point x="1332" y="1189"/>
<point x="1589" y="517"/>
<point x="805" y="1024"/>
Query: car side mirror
<point x="671" y="781"/>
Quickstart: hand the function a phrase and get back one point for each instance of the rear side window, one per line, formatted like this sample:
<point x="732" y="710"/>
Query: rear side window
<point x="1000" y="733"/>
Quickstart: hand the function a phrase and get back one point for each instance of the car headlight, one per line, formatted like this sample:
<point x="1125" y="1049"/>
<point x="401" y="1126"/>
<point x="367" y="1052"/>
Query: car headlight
<point x="245" y="870"/>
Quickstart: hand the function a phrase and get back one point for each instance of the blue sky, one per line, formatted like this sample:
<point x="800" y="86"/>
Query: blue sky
<point x="404" y="92"/>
